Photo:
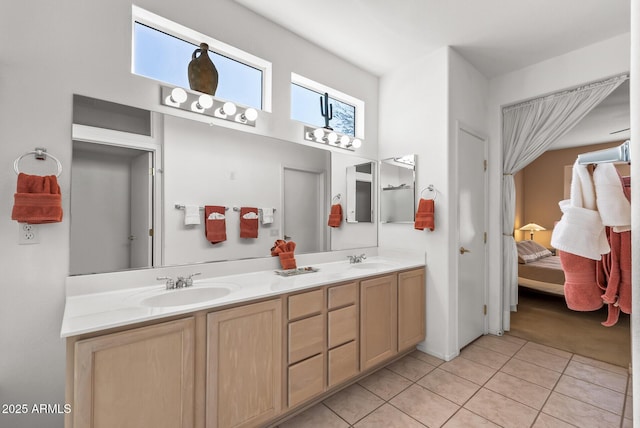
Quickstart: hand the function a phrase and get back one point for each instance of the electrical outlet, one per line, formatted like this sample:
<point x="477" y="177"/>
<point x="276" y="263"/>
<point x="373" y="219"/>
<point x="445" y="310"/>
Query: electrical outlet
<point x="28" y="234"/>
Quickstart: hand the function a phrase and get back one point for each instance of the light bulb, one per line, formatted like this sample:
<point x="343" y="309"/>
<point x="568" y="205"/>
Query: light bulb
<point x="332" y="138"/>
<point x="250" y="114"/>
<point x="356" y="143"/>
<point x="344" y="140"/>
<point x="228" y="109"/>
<point x="318" y="134"/>
<point x="177" y="97"/>
<point x="205" y="101"/>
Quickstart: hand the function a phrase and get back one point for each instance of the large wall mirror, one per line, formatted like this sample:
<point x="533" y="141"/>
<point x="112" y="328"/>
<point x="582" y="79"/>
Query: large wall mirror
<point x="118" y="208"/>
<point x="397" y="189"/>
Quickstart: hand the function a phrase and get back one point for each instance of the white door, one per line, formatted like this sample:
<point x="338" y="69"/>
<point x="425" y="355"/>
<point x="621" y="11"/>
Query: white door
<point x="303" y="218"/>
<point x="141" y="241"/>
<point x="472" y="208"/>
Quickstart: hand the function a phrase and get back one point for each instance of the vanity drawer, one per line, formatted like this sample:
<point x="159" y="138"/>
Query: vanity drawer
<point x="343" y="326"/>
<point x="301" y="305"/>
<point x="306" y="379"/>
<point x="306" y="338"/>
<point x="342" y="295"/>
<point x="343" y="363"/>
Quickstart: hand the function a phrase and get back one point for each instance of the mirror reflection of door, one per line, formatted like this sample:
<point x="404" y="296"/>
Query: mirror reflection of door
<point x="107" y="233"/>
<point x="360" y="193"/>
<point x="303" y="200"/>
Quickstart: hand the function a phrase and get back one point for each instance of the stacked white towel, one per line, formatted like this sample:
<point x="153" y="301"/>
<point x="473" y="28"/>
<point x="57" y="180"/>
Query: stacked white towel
<point x="267" y="215"/>
<point x="191" y="214"/>
<point x="615" y="209"/>
<point x="580" y="230"/>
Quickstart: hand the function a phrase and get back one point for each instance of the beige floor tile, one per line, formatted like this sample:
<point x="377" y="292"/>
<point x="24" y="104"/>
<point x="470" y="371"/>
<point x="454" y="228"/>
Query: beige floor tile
<point x="424" y="406"/>
<point x="388" y="416"/>
<point x="498" y="344"/>
<point x="484" y="356"/>
<point x="501" y="410"/>
<point x="546" y="421"/>
<point x="601" y="364"/>
<point x="518" y="389"/>
<point x="353" y="403"/>
<point x="547" y="349"/>
<point x="628" y="407"/>
<point x="385" y="383"/>
<point x="411" y="368"/>
<point x="514" y="339"/>
<point x="578" y="413"/>
<point x="591" y="394"/>
<point x="318" y="416"/>
<point x="465" y="419"/>
<point x="434" y="361"/>
<point x="450" y="386"/>
<point x="614" y="381"/>
<point x="542" y="359"/>
<point x="528" y="371"/>
<point x="470" y="370"/>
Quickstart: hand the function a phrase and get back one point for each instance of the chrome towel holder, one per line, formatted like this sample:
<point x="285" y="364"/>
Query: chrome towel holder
<point x="430" y="188"/>
<point x="40" y="154"/>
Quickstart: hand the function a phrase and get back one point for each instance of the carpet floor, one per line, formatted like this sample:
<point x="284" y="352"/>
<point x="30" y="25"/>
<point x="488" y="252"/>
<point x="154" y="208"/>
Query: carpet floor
<point x="545" y="319"/>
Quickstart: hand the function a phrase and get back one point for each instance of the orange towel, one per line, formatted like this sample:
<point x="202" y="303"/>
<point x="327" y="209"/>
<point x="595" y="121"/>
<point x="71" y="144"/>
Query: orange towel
<point x="284" y="250"/>
<point x="335" y="217"/>
<point x="287" y="261"/>
<point x="424" y="215"/>
<point x="215" y="229"/>
<point x="37" y="199"/>
<point x="581" y="285"/>
<point x="248" y="226"/>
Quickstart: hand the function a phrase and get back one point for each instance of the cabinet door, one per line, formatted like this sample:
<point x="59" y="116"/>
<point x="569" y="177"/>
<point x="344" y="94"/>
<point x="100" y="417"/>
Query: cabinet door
<point x="378" y="320"/>
<point x="138" y="378"/>
<point x="244" y="367"/>
<point x="343" y="363"/>
<point x="411" y="308"/>
<point x="306" y="379"/>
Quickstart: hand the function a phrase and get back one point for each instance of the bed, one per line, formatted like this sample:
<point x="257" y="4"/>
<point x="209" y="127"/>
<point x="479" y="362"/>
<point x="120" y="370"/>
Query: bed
<point x="539" y="269"/>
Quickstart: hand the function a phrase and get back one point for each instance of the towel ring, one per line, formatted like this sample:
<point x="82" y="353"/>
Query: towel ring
<point x="40" y="154"/>
<point x="430" y="188"/>
<point x="336" y="198"/>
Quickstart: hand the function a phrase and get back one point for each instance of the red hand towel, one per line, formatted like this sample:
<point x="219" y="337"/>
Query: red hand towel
<point x="335" y="217"/>
<point x="248" y="226"/>
<point x="581" y="290"/>
<point x="37" y="199"/>
<point x="424" y="215"/>
<point x="287" y="260"/>
<point x="215" y="229"/>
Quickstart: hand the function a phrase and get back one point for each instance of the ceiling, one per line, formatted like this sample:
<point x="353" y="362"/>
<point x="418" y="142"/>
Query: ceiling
<point x="496" y="36"/>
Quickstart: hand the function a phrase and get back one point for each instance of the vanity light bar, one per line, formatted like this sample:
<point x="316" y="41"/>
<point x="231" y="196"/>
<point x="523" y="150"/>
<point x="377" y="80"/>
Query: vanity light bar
<point x="207" y="105"/>
<point x="332" y="138"/>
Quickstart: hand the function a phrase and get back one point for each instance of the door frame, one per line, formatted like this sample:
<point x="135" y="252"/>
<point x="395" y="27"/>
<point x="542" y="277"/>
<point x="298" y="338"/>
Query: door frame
<point x="323" y="231"/>
<point x="463" y="127"/>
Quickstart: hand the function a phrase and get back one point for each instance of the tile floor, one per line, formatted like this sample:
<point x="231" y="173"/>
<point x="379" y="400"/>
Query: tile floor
<point x="495" y="382"/>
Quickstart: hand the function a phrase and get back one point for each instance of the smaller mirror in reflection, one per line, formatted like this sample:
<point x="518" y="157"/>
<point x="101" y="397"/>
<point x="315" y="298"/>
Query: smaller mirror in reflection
<point x="397" y="189"/>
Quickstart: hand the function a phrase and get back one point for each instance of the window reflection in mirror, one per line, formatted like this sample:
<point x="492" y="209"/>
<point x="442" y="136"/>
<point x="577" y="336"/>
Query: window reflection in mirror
<point x="397" y="189"/>
<point x="360" y="193"/>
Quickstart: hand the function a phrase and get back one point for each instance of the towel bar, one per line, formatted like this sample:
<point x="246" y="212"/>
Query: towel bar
<point x="41" y="154"/>
<point x="181" y="207"/>
<point x="430" y="188"/>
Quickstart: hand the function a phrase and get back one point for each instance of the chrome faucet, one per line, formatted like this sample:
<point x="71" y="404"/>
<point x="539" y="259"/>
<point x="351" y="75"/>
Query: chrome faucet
<point x="181" y="282"/>
<point x="357" y="259"/>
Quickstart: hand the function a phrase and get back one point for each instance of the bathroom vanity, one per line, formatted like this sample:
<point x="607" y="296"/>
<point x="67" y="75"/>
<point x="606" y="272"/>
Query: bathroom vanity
<point x="265" y="349"/>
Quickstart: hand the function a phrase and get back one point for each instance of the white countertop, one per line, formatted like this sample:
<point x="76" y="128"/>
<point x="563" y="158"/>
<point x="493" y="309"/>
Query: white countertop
<point x="96" y="311"/>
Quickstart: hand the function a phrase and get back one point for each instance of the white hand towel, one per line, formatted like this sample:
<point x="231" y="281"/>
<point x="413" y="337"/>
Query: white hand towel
<point x="613" y="205"/>
<point x="250" y="216"/>
<point x="267" y="215"/>
<point x="216" y="216"/>
<point x="191" y="214"/>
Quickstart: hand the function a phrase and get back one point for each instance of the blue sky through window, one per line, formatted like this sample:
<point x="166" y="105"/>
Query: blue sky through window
<point x="305" y="107"/>
<point x="163" y="57"/>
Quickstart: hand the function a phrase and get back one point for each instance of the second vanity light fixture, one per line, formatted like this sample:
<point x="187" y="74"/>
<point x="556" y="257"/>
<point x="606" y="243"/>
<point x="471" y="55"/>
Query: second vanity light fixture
<point x="332" y="138"/>
<point x="207" y="105"/>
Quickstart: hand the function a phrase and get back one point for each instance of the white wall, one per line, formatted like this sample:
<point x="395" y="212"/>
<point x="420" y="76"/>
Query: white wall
<point x="51" y="50"/>
<point x="592" y="63"/>
<point x="207" y="165"/>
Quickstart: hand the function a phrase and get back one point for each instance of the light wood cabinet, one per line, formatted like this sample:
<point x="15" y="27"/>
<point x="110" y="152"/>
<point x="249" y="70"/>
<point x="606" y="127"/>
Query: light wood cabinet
<point x="411" y="308"/>
<point x="378" y="320"/>
<point x="306" y="379"/>
<point x="244" y="371"/>
<point x="138" y="378"/>
<point x="306" y="338"/>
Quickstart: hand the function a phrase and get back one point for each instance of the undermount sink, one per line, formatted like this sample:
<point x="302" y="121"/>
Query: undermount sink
<point x="371" y="265"/>
<point x="186" y="296"/>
